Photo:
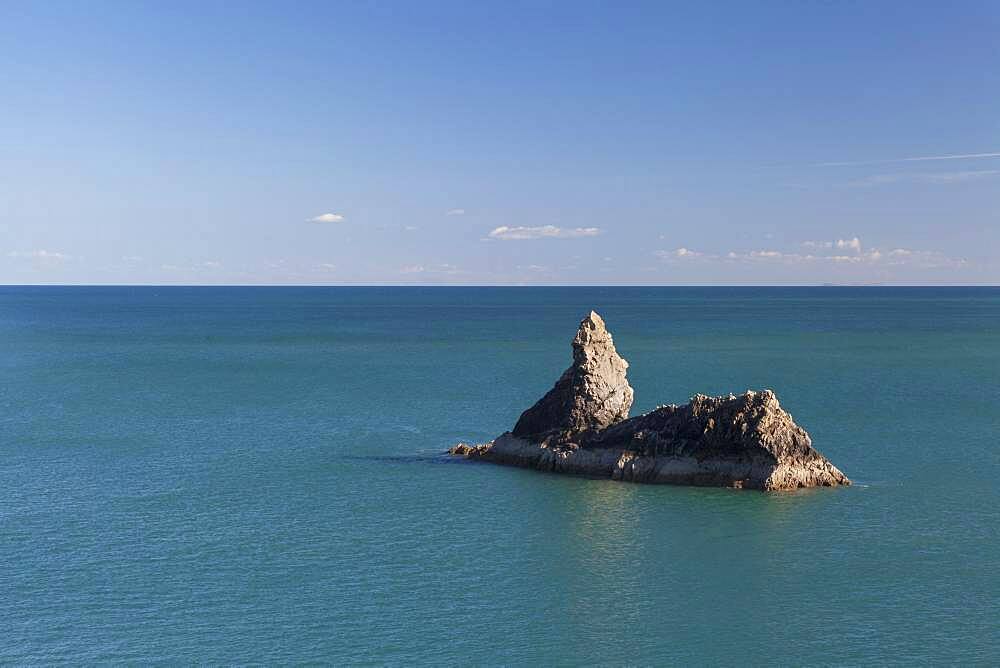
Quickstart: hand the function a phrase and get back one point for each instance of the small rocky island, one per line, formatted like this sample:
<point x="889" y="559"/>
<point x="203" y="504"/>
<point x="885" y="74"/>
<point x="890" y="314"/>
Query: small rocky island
<point x="582" y="427"/>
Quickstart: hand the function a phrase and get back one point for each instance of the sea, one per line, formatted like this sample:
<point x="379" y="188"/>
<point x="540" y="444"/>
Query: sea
<point x="257" y="475"/>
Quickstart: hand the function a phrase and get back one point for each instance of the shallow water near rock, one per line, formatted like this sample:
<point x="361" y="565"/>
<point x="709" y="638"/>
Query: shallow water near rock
<point x="256" y="474"/>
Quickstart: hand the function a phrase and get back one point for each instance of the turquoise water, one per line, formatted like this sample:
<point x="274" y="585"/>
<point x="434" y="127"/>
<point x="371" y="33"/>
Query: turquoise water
<point x="255" y="474"/>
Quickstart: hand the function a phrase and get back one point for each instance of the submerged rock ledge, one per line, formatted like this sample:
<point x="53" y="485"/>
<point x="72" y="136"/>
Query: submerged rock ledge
<point x="581" y="426"/>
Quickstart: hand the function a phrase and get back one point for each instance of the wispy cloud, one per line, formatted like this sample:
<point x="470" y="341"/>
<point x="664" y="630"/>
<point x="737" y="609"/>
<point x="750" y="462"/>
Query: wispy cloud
<point x="505" y="233"/>
<point x="952" y="177"/>
<point x="937" y="177"/>
<point x="193" y="267"/>
<point x="825" y="252"/>
<point x="443" y="268"/>
<point x="923" y="258"/>
<point x="455" y="212"/>
<point x="797" y="258"/>
<point x="41" y="254"/>
<point x="327" y="218"/>
<point x="926" y="158"/>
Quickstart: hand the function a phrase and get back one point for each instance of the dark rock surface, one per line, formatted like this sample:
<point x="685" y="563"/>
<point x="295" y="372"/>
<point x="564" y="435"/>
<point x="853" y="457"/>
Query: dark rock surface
<point x="581" y="426"/>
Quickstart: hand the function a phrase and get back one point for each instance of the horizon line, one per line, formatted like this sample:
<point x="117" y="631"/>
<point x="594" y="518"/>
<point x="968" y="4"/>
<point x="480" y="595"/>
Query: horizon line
<point x="496" y="285"/>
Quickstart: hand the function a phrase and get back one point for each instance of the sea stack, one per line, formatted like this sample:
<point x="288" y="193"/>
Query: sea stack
<point x="581" y="426"/>
<point x="592" y="393"/>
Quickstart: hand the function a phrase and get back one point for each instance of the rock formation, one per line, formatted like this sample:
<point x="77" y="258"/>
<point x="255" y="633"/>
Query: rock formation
<point x="590" y="395"/>
<point x="581" y="426"/>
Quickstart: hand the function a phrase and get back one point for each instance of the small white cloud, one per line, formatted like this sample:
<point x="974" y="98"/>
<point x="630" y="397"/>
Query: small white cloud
<point x="211" y="264"/>
<point x="853" y="244"/>
<point x="326" y="266"/>
<point x="455" y="212"/>
<point x="131" y="259"/>
<point x="410" y="228"/>
<point x="685" y="253"/>
<point x="506" y="233"/>
<point x="327" y="218"/>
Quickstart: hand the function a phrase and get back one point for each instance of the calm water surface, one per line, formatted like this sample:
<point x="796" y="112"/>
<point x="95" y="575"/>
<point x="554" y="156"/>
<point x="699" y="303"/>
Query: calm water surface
<point x="255" y="474"/>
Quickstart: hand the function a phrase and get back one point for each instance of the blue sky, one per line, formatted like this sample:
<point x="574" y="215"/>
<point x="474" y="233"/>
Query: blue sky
<point x="500" y="143"/>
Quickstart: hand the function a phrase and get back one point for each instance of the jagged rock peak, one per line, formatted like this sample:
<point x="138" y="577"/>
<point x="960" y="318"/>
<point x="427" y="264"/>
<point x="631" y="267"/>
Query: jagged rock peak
<point x="592" y="331"/>
<point x="593" y="393"/>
